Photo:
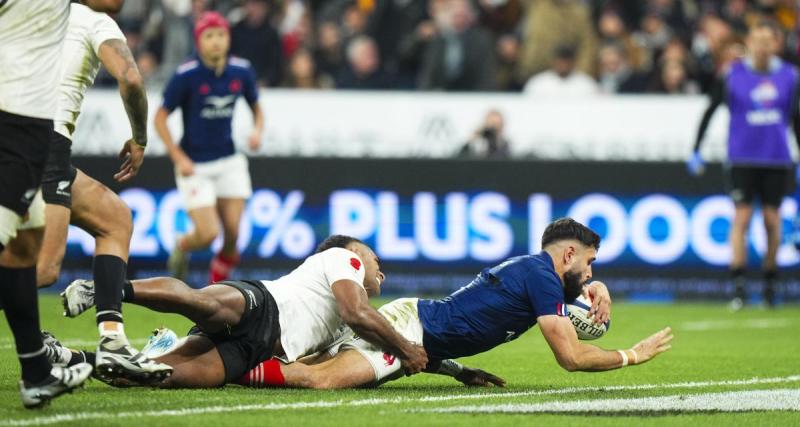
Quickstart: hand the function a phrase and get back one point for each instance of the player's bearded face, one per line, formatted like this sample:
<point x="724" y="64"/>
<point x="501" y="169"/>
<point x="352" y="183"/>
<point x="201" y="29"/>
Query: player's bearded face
<point x="573" y="284"/>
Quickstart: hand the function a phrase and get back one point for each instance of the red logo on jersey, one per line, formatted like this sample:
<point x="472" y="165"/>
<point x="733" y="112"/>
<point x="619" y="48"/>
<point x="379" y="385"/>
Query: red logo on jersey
<point x="355" y="263"/>
<point x="235" y="86"/>
<point x="389" y="359"/>
<point x="205" y="89"/>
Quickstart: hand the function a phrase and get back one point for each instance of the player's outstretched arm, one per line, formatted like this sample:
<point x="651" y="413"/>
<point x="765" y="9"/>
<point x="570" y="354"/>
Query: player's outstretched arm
<point x="108" y="6"/>
<point x="118" y="60"/>
<point x="470" y="377"/>
<point x="368" y="324"/>
<point x="574" y="355"/>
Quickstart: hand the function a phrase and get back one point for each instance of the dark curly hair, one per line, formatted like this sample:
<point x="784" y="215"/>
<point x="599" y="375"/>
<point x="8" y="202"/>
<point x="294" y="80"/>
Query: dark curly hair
<point x="336" y="241"/>
<point x="569" y="229"/>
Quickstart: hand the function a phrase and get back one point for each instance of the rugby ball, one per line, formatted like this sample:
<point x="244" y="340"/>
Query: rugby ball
<point x="578" y="313"/>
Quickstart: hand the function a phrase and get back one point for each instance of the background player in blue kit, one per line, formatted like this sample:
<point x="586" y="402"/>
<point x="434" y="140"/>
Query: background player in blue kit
<point x="497" y="307"/>
<point x="761" y="92"/>
<point x="211" y="176"/>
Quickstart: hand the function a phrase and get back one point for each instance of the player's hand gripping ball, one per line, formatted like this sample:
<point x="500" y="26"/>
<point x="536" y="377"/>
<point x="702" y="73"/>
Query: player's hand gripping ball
<point x="584" y="325"/>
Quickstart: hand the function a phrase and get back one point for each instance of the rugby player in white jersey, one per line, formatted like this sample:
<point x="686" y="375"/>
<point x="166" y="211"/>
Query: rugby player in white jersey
<point x="32" y="32"/>
<point x="240" y="324"/>
<point x="93" y="40"/>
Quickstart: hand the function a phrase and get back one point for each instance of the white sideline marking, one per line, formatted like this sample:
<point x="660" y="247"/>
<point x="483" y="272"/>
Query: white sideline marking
<point x="732" y="401"/>
<point x="78" y="343"/>
<point x="109" y="416"/>
<point x="711" y="325"/>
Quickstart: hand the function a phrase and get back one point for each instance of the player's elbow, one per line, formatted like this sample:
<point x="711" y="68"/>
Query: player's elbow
<point x="569" y="362"/>
<point x="132" y="81"/>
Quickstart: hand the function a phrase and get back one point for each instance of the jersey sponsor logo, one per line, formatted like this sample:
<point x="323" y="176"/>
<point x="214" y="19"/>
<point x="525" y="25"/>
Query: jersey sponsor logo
<point x="764" y="117"/>
<point x="765" y="94"/>
<point x="389" y="359"/>
<point x="355" y="263"/>
<point x="218" y="107"/>
<point x="62" y="189"/>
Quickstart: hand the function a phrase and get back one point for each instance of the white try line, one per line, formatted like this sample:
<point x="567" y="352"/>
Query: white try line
<point x="218" y="409"/>
<point x="79" y="344"/>
<point x="712" y="325"/>
<point x="732" y="401"/>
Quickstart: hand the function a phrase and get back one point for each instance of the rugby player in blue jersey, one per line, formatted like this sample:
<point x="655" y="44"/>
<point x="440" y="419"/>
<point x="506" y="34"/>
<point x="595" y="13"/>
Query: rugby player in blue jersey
<point x="761" y="92"/>
<point x="211" y="176"/>
<point x="497" y="307"/>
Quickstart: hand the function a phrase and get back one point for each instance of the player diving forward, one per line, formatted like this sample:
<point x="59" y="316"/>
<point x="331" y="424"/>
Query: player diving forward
<point x="497" y="307"/>
<point x="94" y="39"/>
<point x="240" y="324"/>
<point x="501" y="304"/>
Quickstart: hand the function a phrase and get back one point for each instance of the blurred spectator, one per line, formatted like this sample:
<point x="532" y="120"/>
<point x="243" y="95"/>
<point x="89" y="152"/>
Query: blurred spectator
<point x="254" y="39"/>
<point x="507" y="60"/>
<point x="708" y="46"/>
<point x="552" y="23"/>
<point x="295" y="28"/>
<point x="489" y="141"/>
<point x="302" y="73"/>
<point x="388" y="22"/>
<point x="562" y="79"/>
<point x="328" y="50"/>
<point x="611" y="29"/>
<point x="499" y="16"/>
<point x="364" y="67"/>
<point x="461" y="56"/>
<point x="178" y="22"/>
<point x="615" y="75"/>
<point x="673" y="79"/>
<point x="654" y="33"/>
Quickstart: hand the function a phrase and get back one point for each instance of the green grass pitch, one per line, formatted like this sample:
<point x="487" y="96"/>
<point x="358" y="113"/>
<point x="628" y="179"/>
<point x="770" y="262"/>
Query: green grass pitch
<point x="728" y="359"/>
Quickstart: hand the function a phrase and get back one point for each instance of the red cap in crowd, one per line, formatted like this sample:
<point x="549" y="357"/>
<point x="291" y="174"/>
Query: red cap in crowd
<point x="210" y="20"/>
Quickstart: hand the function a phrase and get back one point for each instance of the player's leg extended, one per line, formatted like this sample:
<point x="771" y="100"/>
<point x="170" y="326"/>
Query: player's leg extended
<point x="54" y="244"/>
<point x="196" y="363"/>
<point x="741" y="222"/>
<point x="223" y="263"/>
<point x="774" y="227"/>
<point x="348" y="369"/>
<point x="213" y="308"/>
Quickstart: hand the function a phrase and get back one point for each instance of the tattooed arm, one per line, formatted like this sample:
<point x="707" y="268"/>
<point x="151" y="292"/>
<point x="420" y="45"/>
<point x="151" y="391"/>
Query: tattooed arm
<point x="118" y="60"/>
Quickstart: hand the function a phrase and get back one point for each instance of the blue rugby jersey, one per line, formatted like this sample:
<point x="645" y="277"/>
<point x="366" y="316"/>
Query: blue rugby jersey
<point x="498" y="306"/>
<point x="207" y="102"/>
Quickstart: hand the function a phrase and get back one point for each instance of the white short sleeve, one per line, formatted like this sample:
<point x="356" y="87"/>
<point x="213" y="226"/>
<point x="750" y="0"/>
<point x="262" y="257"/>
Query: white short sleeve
<point x="104" y="29"/>
<point x="341" y="264"/>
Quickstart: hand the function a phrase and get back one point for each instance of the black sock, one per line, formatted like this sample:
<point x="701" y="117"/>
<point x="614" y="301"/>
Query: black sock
<point x="739" y="280"/>
<point x="770" y="277"/>
<point x="127" y="291"/>
<point x="109" y="276"/>
<point x="81" y="356"/>
<point x="19" y="297"/>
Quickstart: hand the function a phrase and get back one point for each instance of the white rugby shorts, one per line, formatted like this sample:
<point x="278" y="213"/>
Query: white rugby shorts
<point x="402" y="314"/>
<point x="224" y="178"/>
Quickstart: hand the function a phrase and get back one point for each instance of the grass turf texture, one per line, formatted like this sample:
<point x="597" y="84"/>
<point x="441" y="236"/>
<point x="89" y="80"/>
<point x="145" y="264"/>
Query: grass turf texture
<point x="711" y="345"/>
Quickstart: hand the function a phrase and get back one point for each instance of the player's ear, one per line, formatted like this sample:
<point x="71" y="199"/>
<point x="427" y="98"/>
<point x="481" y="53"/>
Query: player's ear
<point x="569" y="254"/>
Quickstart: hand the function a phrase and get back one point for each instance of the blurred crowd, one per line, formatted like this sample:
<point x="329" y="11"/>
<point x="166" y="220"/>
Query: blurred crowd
<point x="545" y="47"/>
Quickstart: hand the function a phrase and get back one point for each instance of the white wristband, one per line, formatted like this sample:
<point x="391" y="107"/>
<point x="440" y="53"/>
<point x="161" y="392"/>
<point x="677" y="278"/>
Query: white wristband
<point x="624" y="358"/>
<point x="635" y="357"/>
